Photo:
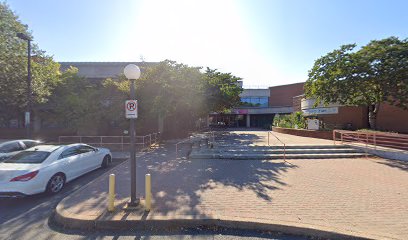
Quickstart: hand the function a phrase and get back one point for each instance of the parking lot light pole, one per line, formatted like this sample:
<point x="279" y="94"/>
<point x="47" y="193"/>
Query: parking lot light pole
<point x="132" y="72"/>
<point x="29" y="90"/>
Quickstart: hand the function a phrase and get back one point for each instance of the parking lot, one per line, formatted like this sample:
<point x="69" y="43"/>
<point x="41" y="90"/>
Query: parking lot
<point x="27" y="218"/>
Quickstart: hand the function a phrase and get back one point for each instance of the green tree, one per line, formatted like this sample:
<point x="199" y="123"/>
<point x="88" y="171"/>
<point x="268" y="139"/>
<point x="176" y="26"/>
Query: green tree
<point x="76" y="103"/>
<point x="13" y="67"/>
<point x="221" y="90"/>
<point x="171" y="93"/>
<point x="376" y="73"/>
<point x="174" y="96"/>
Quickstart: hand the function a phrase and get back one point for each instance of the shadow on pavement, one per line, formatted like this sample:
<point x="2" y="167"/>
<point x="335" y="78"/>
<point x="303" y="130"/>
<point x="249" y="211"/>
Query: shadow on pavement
<point x="178" y="184"/>
<point x="403" y="165"/>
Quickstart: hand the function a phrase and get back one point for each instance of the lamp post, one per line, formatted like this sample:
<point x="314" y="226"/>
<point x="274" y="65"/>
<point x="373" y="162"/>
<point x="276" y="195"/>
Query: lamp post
<point x="29" y="91"/>
<point x="132" y="72"/>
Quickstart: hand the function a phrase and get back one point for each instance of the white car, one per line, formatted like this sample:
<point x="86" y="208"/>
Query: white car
<point x="47" y="168"/>
<point x="10" y="148"/>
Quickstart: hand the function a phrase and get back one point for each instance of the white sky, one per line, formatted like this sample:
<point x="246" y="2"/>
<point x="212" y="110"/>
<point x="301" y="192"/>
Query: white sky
<point x="265" y="42"/>
<point x="199" y="34"/>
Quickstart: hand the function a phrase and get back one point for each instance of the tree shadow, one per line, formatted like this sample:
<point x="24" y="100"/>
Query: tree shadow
<point x="233" y="138"/>
<point x="402" y="165"/>
<point x="178" y="183"/>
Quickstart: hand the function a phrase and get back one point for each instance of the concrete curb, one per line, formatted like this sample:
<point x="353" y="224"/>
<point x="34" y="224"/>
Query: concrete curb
<point x="92" y="223"/>
<point x="70" y="222"/>
<point x="393" y="155"/>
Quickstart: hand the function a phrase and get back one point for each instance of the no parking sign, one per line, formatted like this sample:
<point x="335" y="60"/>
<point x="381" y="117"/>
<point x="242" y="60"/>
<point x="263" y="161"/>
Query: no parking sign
<point x="131" y="108"/>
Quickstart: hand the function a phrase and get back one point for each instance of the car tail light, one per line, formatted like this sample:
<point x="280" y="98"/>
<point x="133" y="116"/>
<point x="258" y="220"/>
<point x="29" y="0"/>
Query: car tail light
<point x="24" y="178"/>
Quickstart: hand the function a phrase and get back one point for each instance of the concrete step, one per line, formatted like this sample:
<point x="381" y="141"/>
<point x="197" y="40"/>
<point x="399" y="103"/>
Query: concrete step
<point x="243" y="147"/>
<point x="281" y="151"/>
<point x="275" y="156"/>
<point x="241" y="152"/>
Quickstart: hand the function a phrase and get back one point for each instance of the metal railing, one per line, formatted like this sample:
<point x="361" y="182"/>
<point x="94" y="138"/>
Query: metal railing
<point x="284" y="145"/>
<point x="181" y="142"/>
<point x="372" y="139"/>
<point x="104" y="141"/>
<point x="211" y="138"/>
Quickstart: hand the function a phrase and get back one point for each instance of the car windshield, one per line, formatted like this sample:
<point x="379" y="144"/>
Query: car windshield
<point x="28" y="157"/>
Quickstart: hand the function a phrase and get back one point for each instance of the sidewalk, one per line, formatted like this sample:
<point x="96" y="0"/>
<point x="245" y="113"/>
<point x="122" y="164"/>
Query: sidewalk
<point x="332" y="198"/>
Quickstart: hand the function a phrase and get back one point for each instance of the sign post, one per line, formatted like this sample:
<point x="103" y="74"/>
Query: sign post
<point x="132" y="72"/>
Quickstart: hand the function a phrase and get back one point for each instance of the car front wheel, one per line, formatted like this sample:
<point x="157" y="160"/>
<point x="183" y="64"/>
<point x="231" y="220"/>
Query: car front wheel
<point x="106" y="161"/>
<point x="56" y="183"/>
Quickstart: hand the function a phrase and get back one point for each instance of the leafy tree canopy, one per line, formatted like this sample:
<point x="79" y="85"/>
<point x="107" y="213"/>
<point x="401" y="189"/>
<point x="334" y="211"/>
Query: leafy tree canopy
<point x="221" y="90"/>
<point x="376" y="73"/>
<point x="13" y="66"/>
<point x="179" y="93"/>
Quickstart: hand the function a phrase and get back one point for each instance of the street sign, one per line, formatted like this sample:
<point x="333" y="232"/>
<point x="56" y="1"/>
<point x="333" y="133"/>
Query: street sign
<point x="131" y="108"/>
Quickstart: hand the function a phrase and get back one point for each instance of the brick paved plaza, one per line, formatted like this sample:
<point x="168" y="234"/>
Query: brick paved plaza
<point x="365" y="197"/>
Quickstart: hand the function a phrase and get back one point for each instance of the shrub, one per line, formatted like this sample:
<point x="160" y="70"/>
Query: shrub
<point x="294" y="120"/>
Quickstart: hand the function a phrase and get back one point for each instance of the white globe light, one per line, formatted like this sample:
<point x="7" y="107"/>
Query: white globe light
<point x="132" y="71"/>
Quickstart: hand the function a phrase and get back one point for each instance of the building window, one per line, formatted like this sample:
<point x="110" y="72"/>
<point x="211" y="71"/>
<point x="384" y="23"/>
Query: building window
<point x="255" y="101"/>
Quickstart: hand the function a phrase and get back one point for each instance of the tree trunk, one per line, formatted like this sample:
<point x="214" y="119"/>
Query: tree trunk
<point x="372" y="115"/>
<point x="161" y="123"/>
<point x="36" y="122"/>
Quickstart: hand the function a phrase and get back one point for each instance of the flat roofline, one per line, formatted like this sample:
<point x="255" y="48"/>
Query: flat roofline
<point x="107" y="63"/>
<point x="287" y="84"/>
<point x="256" y="88"/>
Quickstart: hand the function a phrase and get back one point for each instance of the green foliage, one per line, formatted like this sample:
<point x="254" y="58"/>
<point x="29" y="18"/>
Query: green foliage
<point x="13" y="67"/>
<point x="221" y="91"/>
<point x="76" y="103"/>
<point x="178" y="93"/>
<point x="376" y="73"/>
<point x="294" y="120"/>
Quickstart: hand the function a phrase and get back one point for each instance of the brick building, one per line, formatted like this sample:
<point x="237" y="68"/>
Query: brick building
<point x="255" y="110"/>
<point x="283" y="95"/>
<point x="336" y="116"/>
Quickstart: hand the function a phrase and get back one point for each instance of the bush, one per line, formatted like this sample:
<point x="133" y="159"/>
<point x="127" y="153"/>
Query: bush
<point x="294" y="120"/>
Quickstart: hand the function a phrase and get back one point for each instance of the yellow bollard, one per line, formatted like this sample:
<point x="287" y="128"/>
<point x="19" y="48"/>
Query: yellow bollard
<point x="111" y="196"/>
<point x="148" y="192"/>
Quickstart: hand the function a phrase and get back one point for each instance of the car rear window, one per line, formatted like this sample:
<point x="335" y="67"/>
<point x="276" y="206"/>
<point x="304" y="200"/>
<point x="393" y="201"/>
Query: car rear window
<point x="10" y="147"/>
<point x="30" y="143"/>
<point x="28" y="157"/>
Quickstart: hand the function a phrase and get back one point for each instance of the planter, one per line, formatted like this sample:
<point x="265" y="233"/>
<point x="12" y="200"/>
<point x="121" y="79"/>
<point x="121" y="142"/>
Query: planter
<point x="305" y="133"/>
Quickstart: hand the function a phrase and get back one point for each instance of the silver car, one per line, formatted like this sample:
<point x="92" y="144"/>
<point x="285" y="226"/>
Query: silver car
<point x="11" y="148"/>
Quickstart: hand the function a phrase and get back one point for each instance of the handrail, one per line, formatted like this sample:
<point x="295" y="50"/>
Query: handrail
<point x="284" y="145"/>
<point x="188" y="139"/>
<point x="345" y="135"/>
<point x="372" y="139"/>
<point x="399" y="135"/>
<point x="213" y="137"/>
<point x="153" y="138"/>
